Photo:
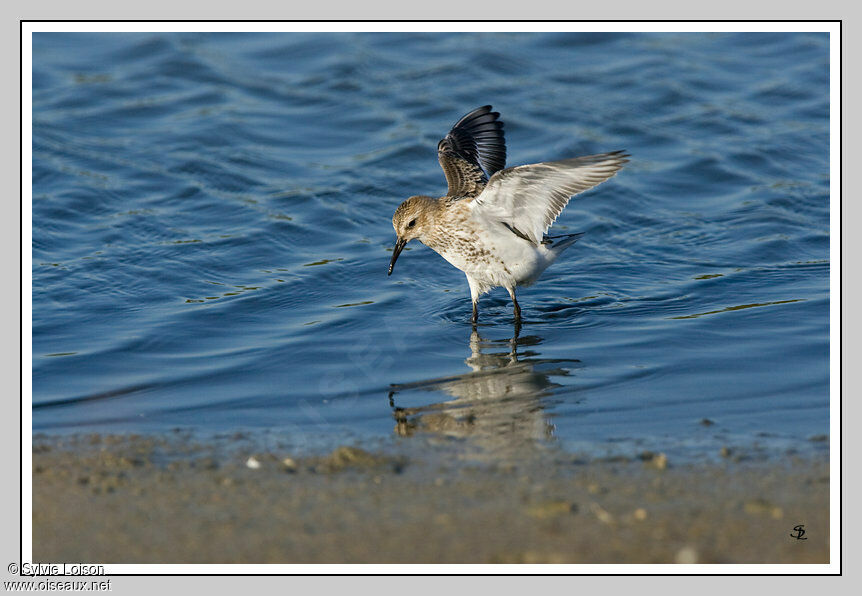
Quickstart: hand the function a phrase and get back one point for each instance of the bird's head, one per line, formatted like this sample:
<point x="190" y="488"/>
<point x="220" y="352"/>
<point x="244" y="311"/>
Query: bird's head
<point x="412" y="219"/>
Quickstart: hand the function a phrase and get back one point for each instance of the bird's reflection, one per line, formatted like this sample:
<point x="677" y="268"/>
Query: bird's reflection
<point x="497" y="407"/>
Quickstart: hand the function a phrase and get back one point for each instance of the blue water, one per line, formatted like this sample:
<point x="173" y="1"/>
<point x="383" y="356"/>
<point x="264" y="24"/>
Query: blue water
<point x="211" y="234"/>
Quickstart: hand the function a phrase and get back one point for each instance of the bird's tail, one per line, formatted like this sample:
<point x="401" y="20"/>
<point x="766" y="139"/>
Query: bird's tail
<point x="558" y="244"/>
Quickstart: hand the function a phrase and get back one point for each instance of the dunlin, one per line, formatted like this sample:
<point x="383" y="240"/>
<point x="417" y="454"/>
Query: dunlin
<point x="492" y="222"/>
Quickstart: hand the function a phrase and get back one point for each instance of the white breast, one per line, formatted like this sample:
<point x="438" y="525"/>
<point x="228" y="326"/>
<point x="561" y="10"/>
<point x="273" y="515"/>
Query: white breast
<point x="490" y="253"/>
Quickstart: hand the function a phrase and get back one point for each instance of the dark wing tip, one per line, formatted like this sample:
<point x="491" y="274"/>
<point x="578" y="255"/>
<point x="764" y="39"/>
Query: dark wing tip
<point x="480" y="111"/>
<point x="478" y="138"/>
<point x="621" y="154"/>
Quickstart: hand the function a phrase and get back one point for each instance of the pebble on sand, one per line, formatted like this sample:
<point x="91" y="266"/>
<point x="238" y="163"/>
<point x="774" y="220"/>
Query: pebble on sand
<point x="687" y="555"/>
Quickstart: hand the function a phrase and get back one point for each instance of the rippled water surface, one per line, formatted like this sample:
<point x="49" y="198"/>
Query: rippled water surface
<point x="211" y="233"/>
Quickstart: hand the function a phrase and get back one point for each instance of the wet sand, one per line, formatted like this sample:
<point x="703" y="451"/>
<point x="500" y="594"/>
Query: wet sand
<point x="115" y="499"/>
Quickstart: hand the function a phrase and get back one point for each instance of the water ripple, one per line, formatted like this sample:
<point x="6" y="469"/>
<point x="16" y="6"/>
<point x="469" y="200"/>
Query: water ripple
<point x="211" y="232"/>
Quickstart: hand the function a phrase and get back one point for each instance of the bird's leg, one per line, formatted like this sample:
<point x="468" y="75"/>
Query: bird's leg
<point x="474" y="296"/>
<point x="517" y="307"/>
<point x="513" y="343"/>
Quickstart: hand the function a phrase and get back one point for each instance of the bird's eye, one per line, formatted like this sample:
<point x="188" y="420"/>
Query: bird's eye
<point x="412" y="223"/>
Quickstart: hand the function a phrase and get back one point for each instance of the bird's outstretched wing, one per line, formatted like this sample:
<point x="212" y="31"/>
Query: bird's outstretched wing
<point x="529" y="198"/>
<point x="474" y="149"/>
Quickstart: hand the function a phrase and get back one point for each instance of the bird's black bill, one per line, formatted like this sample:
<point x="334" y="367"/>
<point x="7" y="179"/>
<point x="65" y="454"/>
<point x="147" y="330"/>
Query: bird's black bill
<point x="399" y="246"/>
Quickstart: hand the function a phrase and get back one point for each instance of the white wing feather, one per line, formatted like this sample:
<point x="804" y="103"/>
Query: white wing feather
<point x="529" y="198"/>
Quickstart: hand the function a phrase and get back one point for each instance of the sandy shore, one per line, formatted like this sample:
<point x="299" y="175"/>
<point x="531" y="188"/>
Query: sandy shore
<point x="112" y="499"/>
